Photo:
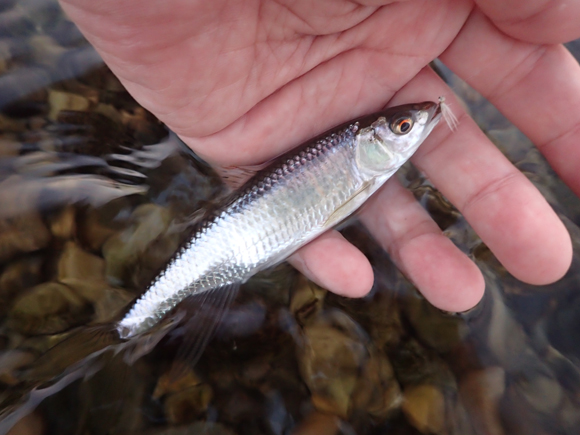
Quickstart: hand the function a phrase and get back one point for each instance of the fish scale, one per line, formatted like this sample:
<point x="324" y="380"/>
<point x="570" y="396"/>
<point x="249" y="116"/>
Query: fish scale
<point x="273" y="215"/>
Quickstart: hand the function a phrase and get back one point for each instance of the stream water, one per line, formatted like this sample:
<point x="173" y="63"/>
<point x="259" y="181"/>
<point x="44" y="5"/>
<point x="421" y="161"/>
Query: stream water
<point x="95" y="196"/>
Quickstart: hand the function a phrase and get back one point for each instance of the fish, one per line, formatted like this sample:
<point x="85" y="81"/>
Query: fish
<point x="299" y="196"/>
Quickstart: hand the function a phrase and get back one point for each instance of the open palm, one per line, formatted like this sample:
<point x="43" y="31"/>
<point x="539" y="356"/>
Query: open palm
<point x="242" y="81"/>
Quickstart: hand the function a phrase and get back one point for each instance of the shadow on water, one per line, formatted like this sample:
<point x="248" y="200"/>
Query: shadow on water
<point x="95" y="195"/>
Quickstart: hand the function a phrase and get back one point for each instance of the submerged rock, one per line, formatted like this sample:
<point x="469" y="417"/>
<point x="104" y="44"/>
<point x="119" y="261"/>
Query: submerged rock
<point x="481" y="392"/>
<point x="185" y="397"/>
<point x="21" y="235"/>
<point x="424" y="406"/>
<point x="343" y="371"/>
<point x="17" y="276"/>
<point x="143" y="244"/>
<point x="96" y="197"/>
<point x="77" y="264"/>
<point x="48" y="308"/>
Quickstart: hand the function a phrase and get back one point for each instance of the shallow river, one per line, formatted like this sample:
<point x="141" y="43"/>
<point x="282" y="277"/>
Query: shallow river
<point x="95" y="196"/>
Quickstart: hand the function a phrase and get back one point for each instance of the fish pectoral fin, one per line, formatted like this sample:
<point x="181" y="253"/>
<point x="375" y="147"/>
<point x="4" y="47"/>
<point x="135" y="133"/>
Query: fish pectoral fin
<point x="349" y="207"/>
<point x="205" y="312"/>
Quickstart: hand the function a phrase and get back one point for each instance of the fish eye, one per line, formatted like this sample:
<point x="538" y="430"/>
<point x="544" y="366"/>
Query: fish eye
<point x="402" y="125"/>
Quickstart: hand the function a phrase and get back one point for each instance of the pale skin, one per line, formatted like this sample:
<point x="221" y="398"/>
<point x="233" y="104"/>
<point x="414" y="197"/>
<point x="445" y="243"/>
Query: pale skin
<point x="242" y="81"/>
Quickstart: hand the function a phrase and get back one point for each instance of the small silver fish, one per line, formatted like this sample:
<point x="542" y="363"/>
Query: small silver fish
<point x="298" y="197"/>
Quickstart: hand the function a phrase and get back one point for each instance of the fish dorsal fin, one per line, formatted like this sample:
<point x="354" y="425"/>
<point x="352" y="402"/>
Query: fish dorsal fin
<point x="236" y="176"/>
<point x="205" y="312"/>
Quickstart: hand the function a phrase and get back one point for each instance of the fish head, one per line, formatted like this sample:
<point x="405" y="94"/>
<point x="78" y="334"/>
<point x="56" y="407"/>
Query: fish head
<point x="395" y="134"/>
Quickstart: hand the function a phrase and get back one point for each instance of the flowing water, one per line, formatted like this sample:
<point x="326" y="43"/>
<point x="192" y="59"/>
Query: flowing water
<point x="96" y="196"/>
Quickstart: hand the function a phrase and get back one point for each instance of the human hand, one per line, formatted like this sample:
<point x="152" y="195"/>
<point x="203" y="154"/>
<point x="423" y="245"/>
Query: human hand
<point x="243" y="81"/>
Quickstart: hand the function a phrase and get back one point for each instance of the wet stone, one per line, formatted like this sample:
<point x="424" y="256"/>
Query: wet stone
<point x="110" y="304"/>
<point x="96" y="226"/>
<point x="307" y="300"/>
<point x="10" y="125"/>
<point x="143" y="125"/>
<point x="331" y="360"/>
<point x="519" y="418"/>
<point x="318" y="423"/>
<point x="439" y="208"/>
<point x="9" y="148"/>
<point x="103" y="136"/>
<point x="15" y="21"/>
<point x="113" y="398"/>
<point x="18" y="276"/>
<point x="330" y="369"/>
<point x="12" y="360"/>
<point x="481" y="392"/>
<point x="83" y="60"/>
<point x="377" y="392"/>
<point x="45" y="51"/>
<point x="62" y="225"/>
<point x="77" y="264"/>
<point x="416" y="364"/>
<point x="61" y="101"/>
<point x="512" y="350"/>
<point x="22" y="234"/>
<point x="29" y="113"/>
<point x="21" y="83"/>
<point x="110" y="112"/>
<point x="143" y="245"/>
<point x="440" y="331"/>
<point x="184" y="406"/>
<point x="542" y="393"/>
<point x="569" y="414"/>
<point x="424" y="407"/>
<point x="48" y="309"/>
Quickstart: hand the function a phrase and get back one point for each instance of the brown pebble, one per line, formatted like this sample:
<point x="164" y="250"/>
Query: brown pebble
<point x="63" y="225"/>
<point x="75" y="263"/>
<point x="318" y="423"/>
<point x="48" y="308"/>
<point x="424" y="407"/>
<point x="481" y="392"/>
<point x="22" y="234"/>
<point x="30" y="424"/>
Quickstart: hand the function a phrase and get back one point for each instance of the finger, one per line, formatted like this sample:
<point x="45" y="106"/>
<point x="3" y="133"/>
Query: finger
<point x="536" y="87"/>
<point x="382" y="55"/>
<point x="241" y="74"/>
<point x="501" y="204"/>
<point x="443" y="274"/>
<point x="333" y="263"/>
<point x="541" y="21"/>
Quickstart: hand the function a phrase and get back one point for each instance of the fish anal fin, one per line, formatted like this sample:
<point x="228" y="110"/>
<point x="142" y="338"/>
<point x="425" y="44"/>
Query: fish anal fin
<point x="205" y="312"/>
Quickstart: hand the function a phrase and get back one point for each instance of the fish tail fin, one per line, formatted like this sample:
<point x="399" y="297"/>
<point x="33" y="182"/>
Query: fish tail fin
<point x="82" y="345"/>
<point x="80" y="355"/>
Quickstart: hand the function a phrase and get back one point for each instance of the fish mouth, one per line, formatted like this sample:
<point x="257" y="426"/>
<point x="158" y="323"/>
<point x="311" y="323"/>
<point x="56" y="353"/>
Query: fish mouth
<point x="430" y="112"/>
<point x="434" y="111"/>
